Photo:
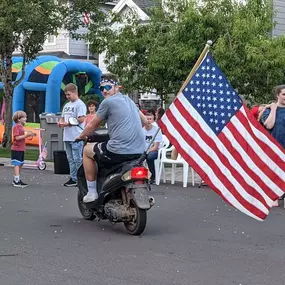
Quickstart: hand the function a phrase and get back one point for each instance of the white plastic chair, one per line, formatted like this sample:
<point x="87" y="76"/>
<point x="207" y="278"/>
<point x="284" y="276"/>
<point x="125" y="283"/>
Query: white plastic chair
<point x="174" y="162"/>
<point x="164" y="145"/>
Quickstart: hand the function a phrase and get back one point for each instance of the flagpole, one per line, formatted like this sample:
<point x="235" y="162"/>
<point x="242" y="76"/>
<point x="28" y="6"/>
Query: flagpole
<point x="195" y="67"/>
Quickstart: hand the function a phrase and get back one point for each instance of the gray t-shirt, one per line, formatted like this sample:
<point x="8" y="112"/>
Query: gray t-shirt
<point x="73" y="109"/>
<point x="124" y="125"/>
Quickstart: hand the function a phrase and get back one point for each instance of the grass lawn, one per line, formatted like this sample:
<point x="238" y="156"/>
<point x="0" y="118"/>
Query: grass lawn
<point x="30" y="154"/>
<point x="32" y="125"/>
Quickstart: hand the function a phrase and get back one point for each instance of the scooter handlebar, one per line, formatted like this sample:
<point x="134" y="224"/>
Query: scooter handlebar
<point x="80" y="140"/>
<point x="39" y="129"/>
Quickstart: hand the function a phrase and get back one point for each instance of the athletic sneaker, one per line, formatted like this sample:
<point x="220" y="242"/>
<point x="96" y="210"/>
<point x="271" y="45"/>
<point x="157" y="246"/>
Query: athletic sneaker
<point x="90" y="197"/>
<point x="19" y="184"/>
<point x="70" y="183"/>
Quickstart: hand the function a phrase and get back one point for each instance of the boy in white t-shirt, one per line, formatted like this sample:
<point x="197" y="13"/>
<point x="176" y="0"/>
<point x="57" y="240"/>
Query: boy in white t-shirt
<point x="77" y="109"/>
<point x="149" y="132"/>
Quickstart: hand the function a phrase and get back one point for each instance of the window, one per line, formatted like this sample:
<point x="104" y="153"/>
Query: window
<point x="50" y="40"/>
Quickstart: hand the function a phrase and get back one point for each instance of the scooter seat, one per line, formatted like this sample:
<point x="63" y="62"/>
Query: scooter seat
<point x="99" y="135"/>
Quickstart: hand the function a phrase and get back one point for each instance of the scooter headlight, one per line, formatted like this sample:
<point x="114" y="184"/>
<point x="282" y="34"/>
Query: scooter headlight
<point x="127" y="176"/>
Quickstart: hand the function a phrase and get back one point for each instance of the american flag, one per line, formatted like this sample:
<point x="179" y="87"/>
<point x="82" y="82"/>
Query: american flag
<point x="212" y="129"/>
<point x="86" y="18"/>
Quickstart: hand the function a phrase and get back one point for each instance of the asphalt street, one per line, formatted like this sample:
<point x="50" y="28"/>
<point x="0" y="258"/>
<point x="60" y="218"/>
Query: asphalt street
<point x="192" y="238"/>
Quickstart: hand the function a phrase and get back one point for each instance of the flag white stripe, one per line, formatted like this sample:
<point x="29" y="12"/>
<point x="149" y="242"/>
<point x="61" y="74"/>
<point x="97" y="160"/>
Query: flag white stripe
<point x="261" y="136"/>
<point x="250" y="163"/>
<point x="205" y="147"/>
<point x="257" y="149"/>
<point x="228" y="155"/>
<point x="206" y="168"/>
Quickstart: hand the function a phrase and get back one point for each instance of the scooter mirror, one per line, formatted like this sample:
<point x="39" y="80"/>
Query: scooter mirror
<point x="73" y="121"/>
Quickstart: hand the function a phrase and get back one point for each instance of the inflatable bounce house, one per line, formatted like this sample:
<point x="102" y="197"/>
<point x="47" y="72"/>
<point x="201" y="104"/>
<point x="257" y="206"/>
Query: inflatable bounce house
<point x="41" y="90"/>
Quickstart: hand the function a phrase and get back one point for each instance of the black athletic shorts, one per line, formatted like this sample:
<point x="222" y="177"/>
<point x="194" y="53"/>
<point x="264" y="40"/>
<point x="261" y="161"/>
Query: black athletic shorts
<point x="106" y="159"/>
<point x="17" y="157"/>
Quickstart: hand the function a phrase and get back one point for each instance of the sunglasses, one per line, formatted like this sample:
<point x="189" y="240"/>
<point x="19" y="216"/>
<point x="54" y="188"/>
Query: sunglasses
<point x="107" y="87"/>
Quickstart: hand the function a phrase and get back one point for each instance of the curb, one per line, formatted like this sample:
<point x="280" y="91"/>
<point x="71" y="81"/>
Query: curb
<point x="28" y="164"/>
<point x="6" y="162"/>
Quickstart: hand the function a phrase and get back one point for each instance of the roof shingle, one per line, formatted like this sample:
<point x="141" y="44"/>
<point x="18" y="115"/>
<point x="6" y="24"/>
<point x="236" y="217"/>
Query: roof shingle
<point x="144" y="4"/>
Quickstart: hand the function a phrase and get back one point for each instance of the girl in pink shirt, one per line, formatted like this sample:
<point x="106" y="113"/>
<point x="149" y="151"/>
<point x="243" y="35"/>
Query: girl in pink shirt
<point x="92" y="111"/>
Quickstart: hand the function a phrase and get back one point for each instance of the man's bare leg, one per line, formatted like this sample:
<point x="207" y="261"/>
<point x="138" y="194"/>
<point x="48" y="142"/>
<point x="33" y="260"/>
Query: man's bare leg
<point x="90" y="168"/>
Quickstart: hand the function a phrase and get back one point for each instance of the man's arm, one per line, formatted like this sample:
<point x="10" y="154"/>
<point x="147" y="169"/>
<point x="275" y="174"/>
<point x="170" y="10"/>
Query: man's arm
<point x="143" y="119"/>
<point x="91" y="127"/>
<point x="60" y="123"/>
<point x="81" y="113"/>
<point x="61" y="120"/>
<point x="155" y="147"/>
<point x="81" y="119"/>
<point x="270" y="121"/>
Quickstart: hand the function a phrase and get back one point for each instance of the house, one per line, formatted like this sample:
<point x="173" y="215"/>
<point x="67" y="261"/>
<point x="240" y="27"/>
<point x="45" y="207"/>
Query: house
<point x="65" y="47"/>
<point x="140" y="7"/>
<point x="123" y="7"/>
<point x="279" y="6"/>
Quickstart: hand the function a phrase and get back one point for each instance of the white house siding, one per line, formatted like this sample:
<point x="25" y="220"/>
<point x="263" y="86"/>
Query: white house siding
<point x="101" y="63"/>
<point x="279" y="7"/>
<point x="77" y="47"/>
<point x="61" y="42"/>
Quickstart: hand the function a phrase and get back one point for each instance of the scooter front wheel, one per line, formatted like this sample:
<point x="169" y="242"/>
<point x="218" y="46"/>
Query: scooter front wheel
<point x="137" y="225"/>
<point x="86" y="213"/>
<point x="42" y="165"/>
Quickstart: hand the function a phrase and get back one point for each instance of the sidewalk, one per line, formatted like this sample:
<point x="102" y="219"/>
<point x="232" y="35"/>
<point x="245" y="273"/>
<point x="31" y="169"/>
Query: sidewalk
<point x="50" y="167"/>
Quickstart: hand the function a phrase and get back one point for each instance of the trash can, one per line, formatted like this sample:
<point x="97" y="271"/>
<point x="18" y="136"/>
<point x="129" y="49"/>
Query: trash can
<point x="53" y="135"/>
<point x="61" y="165"/>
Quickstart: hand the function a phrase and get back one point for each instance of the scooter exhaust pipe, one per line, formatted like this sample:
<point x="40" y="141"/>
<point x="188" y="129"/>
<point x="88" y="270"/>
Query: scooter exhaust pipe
<point x="151" y="201"/>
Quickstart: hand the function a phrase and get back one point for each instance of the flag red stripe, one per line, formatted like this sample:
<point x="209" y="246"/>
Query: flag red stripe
<point x="86" y="18"/>
<point x="208" y="140"/>
<point x="227" y="183"/>
<point x="256" y="158"/>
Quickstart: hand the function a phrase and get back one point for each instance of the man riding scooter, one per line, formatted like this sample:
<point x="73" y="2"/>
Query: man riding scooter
<point x="124" y="122"/>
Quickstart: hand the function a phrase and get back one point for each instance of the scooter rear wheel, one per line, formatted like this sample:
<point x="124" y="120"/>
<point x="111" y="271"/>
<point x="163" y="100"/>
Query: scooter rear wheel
<point x="86" y="213"/>
<point x="138" y="224"/>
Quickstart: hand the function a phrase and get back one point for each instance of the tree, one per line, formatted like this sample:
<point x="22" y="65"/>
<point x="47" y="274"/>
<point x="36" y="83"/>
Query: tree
<point x="252" y="59"/>
<point x="160" y="53"/>
<point x="24" y="27"/>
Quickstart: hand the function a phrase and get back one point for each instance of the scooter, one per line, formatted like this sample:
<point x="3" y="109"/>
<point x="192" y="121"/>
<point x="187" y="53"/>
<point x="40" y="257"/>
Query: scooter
<point x="40" y="164"/>
<point x="123" y="192"/>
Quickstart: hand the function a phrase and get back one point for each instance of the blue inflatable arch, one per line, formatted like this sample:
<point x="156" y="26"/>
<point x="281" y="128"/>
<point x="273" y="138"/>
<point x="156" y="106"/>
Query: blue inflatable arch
<point x="15" y="59"/>
<point x="19" y="91"/>
<point x="55" y="79"/>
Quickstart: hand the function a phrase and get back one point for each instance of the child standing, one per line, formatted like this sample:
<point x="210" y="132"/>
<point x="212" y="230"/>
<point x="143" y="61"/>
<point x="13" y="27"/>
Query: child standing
<point x="19" y="146"/>
<point x="91" y="111"/>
